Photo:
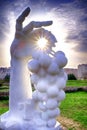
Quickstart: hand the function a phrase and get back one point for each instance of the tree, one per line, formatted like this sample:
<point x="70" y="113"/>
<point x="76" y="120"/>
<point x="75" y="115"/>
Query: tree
<point x="71" y="77"/>
<point x="7" y="78"/>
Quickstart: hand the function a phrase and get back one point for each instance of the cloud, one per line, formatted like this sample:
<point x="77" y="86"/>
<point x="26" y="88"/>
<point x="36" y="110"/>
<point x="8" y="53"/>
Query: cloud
<point x="81" y="42"/>
<point x="77" y="34"/>
<point x="74" y="17"/>
<point x="3" y="28"/>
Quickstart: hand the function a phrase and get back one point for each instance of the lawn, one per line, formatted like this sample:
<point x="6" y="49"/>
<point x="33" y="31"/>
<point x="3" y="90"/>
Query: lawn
<point x="3" y="105"/>
<point x="4" y="89"/>
<point x="75" y="106"/>
<point x="76" y="83"/>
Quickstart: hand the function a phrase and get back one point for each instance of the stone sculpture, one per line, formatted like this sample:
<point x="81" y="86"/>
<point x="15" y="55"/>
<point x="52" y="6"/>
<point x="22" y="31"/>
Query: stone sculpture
<point x="37" y="110"/>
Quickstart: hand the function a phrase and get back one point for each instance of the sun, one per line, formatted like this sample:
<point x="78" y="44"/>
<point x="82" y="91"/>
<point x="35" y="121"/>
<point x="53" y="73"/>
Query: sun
<point x="42" y="43"/>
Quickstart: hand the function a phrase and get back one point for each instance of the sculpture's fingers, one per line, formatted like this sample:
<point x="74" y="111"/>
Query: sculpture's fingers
<point x="20" y="20"/>
<point x="40" y="24"/>
<point x="34" y="24"/>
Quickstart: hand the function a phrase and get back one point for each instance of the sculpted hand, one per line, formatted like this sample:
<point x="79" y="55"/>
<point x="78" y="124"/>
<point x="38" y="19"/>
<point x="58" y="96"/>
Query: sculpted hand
<point x="19" y="44"/>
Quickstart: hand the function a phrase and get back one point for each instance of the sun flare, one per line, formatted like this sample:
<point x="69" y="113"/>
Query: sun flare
<point x="42" y="43"/>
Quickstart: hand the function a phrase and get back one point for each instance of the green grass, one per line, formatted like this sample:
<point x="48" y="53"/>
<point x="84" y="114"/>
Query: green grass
<point x="3" y="101"/>
<point x="76" y="83"/>
<point x="75" y="107"/>
<point x="4" y="89"/>
<point x="3" y="105"/>
<point x="3" y="110"/>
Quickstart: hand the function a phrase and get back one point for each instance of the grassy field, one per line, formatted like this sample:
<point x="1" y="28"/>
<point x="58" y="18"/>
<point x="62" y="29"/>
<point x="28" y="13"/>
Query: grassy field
<point x="76" y="83"/>
<point x="75" y="106"/>
<point x="3" y="105"/>
<point x="4" y="89"/>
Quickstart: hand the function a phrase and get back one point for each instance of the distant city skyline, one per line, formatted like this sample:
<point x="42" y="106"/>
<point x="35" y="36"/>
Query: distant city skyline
<point x="69" y="26"/>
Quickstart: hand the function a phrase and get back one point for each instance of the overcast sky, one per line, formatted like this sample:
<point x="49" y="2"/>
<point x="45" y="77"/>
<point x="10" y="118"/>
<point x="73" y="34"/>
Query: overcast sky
<point x="69" y="26"/>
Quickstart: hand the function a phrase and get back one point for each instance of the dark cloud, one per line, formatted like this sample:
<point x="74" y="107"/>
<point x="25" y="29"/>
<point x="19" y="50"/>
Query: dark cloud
<point x="82" y="42"/>
<point x="4" y="27"/>
<point x="83" y="20"/>
<point x="6" y="9"/>
<point x="56" y="3"/>
<point x="76" y="24"/>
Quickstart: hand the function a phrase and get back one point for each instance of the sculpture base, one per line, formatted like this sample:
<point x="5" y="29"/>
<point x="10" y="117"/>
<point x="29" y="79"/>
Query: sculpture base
<point x="24" y="124"/>
<point x="27" y="117"/>
<point x="17" y="126"/>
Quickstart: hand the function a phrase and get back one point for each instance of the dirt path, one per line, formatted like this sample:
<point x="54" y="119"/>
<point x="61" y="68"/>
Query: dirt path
<point x="69" y="124"/>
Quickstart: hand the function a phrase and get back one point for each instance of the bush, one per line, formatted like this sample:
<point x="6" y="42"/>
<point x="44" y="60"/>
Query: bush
<point x="1" y="82"/>
<point x="7" y="78"/>
<point x="71" y="77"/>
